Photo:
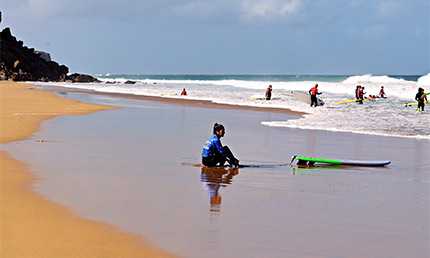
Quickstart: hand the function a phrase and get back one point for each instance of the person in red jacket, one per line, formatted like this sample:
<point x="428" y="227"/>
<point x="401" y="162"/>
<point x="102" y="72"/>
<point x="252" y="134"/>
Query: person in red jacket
<point x="382" y="92"/>
<point x="314" y="92"/>
<point x="357" y="92"/>
<point x="269" y="92"/>
<point x="184" y="92"/>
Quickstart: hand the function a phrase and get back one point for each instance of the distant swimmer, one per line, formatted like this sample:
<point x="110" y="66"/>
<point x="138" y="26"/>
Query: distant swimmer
<point x="314" y="92"/>
<point x="421" y="97"/>
<point x="382" y="92"/>
<point x="184" y="92"/>
<point x="214" y="153"/>
<point x="269" y="92"/>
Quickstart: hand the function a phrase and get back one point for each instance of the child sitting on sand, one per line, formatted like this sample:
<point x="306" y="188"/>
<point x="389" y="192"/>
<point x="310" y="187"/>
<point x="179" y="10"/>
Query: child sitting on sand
<point x="214" y="153"/>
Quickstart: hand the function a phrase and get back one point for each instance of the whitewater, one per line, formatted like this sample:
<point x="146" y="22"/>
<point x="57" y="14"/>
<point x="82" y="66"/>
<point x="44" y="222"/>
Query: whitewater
<point x="387" y="117"/>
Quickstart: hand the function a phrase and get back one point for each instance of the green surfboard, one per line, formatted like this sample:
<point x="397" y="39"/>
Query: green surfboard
<point x="312" y="161"/>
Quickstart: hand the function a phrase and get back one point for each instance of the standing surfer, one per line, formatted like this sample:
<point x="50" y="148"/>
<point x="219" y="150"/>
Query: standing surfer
<point x="357" y="94"/>
<point x="269" y="92"/>
<point x="362" y="93"/>
<point x="421" y="98"/>
<point x="184" y="92"/>
<point x="382" y="92"/>
<point x="314" y="92"/>
<point x="214" y="153"/>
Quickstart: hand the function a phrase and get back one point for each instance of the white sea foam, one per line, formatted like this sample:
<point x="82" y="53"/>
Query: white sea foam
<point x="379" y="117"/>
<point x="424" y="80"/>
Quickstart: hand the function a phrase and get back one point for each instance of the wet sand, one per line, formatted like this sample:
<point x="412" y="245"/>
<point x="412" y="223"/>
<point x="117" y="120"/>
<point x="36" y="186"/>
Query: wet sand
<point x="172" y="100"/>
<point x="31" y="225"/>
<point x="124" y="167"/>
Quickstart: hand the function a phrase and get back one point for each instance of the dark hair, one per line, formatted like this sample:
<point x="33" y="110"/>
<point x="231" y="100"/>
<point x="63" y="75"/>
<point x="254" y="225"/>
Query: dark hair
<point x="218" y="127"/>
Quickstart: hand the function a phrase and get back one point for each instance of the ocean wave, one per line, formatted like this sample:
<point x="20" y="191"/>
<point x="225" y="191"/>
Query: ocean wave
<point x="424" y="80"/>
<point x="369" y="78"/>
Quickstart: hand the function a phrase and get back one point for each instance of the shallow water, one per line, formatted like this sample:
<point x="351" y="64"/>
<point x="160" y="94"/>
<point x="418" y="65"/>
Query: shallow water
<point x="124" y="167"/>
<point x="377" y="117"/>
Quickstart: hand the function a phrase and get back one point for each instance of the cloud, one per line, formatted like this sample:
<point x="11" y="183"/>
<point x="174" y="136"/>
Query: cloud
<point x="111" y="10"/>
<point x="288" y="13"/>
<point x="388" y="8"/>
<point x="233" y="12"/>
<point x="43" y="9"/>
<point x="269" y="10"/>
<point x="221" y="11"/>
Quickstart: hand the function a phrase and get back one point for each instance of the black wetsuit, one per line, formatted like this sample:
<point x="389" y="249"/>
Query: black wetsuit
<point x="420" y="98"/>
<point x="268" y="94"/>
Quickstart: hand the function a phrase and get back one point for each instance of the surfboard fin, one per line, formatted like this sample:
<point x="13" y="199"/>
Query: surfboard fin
<point x="292" y="159"/>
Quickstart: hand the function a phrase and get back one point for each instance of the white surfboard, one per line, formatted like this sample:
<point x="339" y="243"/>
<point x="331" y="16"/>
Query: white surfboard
<point x="305" y="97"/>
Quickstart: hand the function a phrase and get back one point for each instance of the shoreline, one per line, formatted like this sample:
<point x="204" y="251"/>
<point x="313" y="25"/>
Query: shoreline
<point x="184" y="102"/>
<point x="30" y="224"/>
<point x="173" y="100"/>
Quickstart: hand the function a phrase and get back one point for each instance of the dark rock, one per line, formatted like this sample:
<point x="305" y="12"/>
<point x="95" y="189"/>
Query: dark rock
<point x="20" y="63"/>
<point x="129" y="82"/>
<point x="76" y="77"/>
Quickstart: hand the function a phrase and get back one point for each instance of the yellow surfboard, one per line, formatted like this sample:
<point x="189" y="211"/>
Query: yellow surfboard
<point x="346" y="101"/>
<point x="414" y="103"/>
<point x="350" y="101"/>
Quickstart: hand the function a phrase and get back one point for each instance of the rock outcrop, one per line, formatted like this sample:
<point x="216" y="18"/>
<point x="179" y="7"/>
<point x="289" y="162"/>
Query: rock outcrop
<point x="76" y="77"/>
<point x="20" y="63"/>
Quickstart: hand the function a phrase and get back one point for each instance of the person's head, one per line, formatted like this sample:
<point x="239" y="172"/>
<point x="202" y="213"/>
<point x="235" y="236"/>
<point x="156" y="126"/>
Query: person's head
<point x="316" y="85"/>
<point x="420" y="89"/>
<point x="382" y="87"/>
<point x="219" y="130"/>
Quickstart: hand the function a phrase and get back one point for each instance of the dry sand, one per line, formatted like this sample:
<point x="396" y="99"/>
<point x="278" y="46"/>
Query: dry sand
<point x="30" y="225"/>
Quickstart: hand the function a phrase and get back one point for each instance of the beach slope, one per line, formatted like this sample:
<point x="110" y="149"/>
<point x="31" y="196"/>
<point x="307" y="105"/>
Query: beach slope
<point x="30" y="225"/>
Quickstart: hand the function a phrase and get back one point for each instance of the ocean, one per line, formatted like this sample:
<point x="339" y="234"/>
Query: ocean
<point x="387" y="117"/>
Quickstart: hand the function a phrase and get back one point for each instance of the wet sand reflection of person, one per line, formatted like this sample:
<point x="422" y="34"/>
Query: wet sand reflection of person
<point x="213" y="179"/>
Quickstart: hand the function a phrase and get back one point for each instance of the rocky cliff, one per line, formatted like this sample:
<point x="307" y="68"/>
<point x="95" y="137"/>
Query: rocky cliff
<point x="20" y="63"/>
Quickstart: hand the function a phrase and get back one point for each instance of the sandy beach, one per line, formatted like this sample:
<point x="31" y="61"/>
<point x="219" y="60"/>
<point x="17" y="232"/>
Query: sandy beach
<point x="123" y="167"/>
<point x="31" y="225"/>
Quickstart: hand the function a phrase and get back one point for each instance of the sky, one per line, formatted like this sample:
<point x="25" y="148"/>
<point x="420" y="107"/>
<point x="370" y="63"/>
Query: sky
<point x="320" y="37"/>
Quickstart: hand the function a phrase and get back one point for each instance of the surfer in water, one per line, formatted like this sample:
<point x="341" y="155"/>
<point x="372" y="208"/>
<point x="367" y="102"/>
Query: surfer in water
<point x="421" y="98"/>
<point x="269" y="92"/>
<point x="184" y="92"/>
<point x="382" y="92"/>
<point x="314" y="92"/>
<point x="214" y="153"/>
<point x="357" y="93"/>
